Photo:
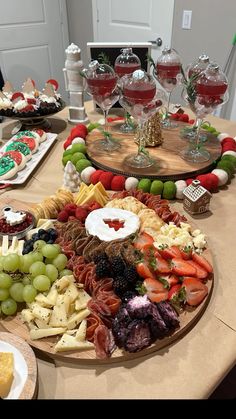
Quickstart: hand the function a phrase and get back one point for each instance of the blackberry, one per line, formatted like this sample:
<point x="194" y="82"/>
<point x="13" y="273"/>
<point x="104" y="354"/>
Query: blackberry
<point x="120" y="285"/>
<point x="128" y="295"/>
<point x="118" y="265"/>
<point x="131" y="275"/>
<point x="100" y="256"/>
<point x="102" y="269"/>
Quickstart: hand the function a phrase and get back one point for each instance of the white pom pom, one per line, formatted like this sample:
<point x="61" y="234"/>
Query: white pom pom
<point x="131" y="183"/>
<point x="230" y="153"/>
<point x="69" y="147"/>
<point x="222" y="176"/>
<point x="78" y="140"/>
<point x="86" y="174"/>
<point x="222" y="136"/>
<point x="180" y="186"/>
<point x="235" y="138"/>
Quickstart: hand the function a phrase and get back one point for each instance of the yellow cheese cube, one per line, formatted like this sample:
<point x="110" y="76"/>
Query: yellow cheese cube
<point x="6" y="373"/>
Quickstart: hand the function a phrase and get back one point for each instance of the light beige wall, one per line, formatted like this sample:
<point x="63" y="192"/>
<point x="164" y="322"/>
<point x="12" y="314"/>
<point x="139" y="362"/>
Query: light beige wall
<point x="80" y="23"/>
<point x="213" y="27"/>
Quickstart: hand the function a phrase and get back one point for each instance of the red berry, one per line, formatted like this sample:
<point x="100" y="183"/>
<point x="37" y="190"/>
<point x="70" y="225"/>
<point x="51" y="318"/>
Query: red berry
<point x="94" y="178"/>
<point x="184" y="117"/>
<point x="70" y="208"/>
<point x="63" y="216"/>
<point x="81" y="214"/>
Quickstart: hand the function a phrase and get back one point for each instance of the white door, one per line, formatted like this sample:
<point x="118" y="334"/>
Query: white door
<point x="133" y="21"/>
<point x="33" y="38"/>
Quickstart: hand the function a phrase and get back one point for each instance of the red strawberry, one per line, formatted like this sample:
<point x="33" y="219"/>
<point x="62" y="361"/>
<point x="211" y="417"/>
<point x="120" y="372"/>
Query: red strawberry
<point x="169" y="252"/>
<point x="144" y="271"/>
<point x="70" y="208"/>
<point x="17" y="95"/>
<point x="63" y="216"/>
<point x="186" y="252"/>
<point x="182" y="267"/>
<point x="81" y="214"/>
<point x="143" y="241"/>
<point x="202" y="262"/>
<point x="173" y="292"/>
<point x="105" y="179"/>
<point x="94" y="178"/>
<point x="53" y="82"/>
<point x="156" y="291"/>
<point x="162" y="265"/>
<point x="201" y="273"/>
<point x="168" y="280"/>
<point x="196" y="291"/>
<point x="93" y="205"/>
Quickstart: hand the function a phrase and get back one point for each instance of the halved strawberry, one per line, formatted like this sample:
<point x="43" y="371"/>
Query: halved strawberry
<point x="186" y="252"/>
<point x="182" y="267"/>
<point x="203" y="262"/>
<point x="196" y="291"/>
<point x="201" y="273"/>
<point x="156" y="291"/>
<point x="169" y="252"/>
<point x="174" y="291"/>
<point x="162" y="266"/>
<point x="54" y="83"/>
<point x="143" y="241"/>
<point x="17" y="95"/>
<point x="144" y="271"/>
<point x="168" y="280"/>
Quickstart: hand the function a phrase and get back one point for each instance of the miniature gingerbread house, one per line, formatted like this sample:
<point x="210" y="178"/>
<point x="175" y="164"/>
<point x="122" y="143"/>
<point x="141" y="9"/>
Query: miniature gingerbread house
<point x="196" y="198"/>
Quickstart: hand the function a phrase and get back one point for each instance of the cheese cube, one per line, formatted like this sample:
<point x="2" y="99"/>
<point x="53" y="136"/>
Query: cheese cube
<point x="6" y="373"/>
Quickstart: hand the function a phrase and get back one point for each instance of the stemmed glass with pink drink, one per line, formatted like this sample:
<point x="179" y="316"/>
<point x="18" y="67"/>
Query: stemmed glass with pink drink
<point x="141" y="99"/>
<point x="101" y="84"/>
<point x="126" y="63"/>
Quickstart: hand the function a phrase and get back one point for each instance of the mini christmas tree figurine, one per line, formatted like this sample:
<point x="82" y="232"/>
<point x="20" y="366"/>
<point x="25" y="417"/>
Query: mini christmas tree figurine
<point x="152" y="131"/>
<point x="71" y="178"/>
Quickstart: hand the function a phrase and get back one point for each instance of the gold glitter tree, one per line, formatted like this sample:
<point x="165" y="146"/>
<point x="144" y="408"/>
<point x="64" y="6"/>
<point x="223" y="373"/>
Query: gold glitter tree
<point x="152" y="131"/>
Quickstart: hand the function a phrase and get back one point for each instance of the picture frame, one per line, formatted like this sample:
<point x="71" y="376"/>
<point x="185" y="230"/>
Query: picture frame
<point x="111" y="50"/>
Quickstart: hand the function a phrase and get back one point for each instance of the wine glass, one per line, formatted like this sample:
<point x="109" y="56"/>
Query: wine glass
<point x="193" y="72"/>
<point x="141" y="99"/>
<point x="101" y="84"/>
<point x="209" y="92"/>
<point x="126" y="63"/>
<point x="167" y="73"/>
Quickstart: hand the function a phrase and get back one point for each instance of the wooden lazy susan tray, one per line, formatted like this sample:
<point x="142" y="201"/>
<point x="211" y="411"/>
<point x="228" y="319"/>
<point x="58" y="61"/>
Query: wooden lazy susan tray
<point x="168" y="163"/>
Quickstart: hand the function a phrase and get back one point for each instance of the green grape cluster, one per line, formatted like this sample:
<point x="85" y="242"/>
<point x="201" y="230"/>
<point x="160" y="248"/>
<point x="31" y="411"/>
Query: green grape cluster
<point x="22" y="277"/>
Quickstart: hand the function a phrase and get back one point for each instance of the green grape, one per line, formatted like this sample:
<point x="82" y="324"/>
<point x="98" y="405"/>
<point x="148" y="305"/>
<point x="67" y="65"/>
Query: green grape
<point x="1" y="262"/>
<point x="25" y="262"/>
<point x="11" y="262"/>
<point x="37" y="256"/>
<point x="38" y="268"/>
<point x="39" y="244"/>
<point x="16" y="292"/>
<point x="26" y="280"/>
<point x="49" y="251"/>
<point x="58" y="247"/>
<point x="48" y="261"/>
<point x="60" y="262"/>
<point x="29" y="293"/>
<point x="5" y="280"/>
<point x="4" y="294"/>
<point x="51" y="272"/>
<point x="9" y="307"/>
<point x="41" y="283"/>
<point x="65" y="272"/>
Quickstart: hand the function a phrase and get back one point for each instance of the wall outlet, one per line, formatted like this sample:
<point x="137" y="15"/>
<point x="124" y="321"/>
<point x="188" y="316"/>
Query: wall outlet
<point x="187" y="18"/>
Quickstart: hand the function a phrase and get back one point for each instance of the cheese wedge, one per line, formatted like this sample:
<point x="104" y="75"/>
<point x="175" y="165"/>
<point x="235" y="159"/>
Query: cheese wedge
<point x="6" y="373"/>
<point x="69" y="343"/>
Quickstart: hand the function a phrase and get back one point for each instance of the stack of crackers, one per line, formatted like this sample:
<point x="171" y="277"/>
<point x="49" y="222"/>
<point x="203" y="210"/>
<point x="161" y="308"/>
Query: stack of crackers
<point x="52" y="205"/>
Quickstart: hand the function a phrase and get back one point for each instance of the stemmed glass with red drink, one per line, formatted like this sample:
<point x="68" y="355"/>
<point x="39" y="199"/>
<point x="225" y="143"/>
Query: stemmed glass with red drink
<point x="101" y="84"/>
<point x="167" y="72"/>
<point x="210" y="92"/>
<point x="126" y="63"/>
<point x="141" y="99"/>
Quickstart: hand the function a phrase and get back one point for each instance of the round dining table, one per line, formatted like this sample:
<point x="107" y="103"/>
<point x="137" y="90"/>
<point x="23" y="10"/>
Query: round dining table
<point x="190" y="367"/>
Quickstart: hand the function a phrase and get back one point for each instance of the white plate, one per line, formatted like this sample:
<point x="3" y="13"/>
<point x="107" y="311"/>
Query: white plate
<point x="20" y="370"/>
<point x="25" y="366"/>
<point x="21" y="176"/>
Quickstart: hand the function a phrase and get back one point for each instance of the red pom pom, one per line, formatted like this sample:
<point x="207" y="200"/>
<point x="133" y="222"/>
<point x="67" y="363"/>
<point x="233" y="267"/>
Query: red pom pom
<point x="208" y="181"/>
<point x="228" y="147"/>
<point x="63" y="216"/>
<point x="184" y="117"/>
<point x="79" y="130"/>
<point x="189" y="181"/>
<point x="174" y="116"/>
<point x="81" y="214"/>
<point x="95" y="176"/>
<point x="191" y="121"/>
<point x="118" y="183"/>
<point x="106" y="179"/>
<point x="228" y="140"/>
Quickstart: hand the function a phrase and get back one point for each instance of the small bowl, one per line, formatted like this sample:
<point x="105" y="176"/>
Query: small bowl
<point x="21" y="233"/>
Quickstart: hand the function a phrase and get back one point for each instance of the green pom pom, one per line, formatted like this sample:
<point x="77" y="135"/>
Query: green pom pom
<point x="144" y="184"/>
<point x="169" y="190"/>
<point x="157" y="187"/>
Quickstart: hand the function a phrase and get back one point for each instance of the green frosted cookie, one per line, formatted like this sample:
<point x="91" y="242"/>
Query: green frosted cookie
<point x="8" y="167"/>
<point x="21" y="147"/>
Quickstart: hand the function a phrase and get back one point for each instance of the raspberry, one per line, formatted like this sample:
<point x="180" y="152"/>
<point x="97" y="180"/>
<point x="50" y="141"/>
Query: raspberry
<point x="81" y="214"/>
<point x="70" y="208"/>
<point x="63" y="216"/>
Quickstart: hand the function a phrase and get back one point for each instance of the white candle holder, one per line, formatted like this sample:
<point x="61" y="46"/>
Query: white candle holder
<point x="74" y="83"/>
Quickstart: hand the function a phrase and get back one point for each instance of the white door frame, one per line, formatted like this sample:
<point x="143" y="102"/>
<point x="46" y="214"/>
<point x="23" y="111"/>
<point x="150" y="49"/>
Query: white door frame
<point x="64" y="23"/>
<point x="95" y="19"/>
